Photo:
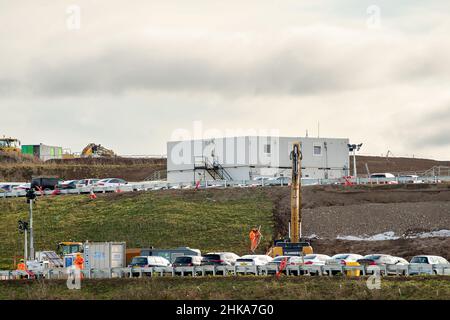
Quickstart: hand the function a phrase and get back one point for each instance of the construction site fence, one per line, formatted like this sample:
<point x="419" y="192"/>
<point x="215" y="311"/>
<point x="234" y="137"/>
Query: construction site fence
<point x="299" y="270"/>
<point x="163" y="185"/>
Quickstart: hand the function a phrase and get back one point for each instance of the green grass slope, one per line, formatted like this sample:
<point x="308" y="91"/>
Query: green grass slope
<point x="231" y="288"/>
<point x="206" y="219"/>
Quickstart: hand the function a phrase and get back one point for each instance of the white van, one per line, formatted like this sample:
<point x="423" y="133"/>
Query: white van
<point x="383" y="178"/>
<point x="149" y="261"/>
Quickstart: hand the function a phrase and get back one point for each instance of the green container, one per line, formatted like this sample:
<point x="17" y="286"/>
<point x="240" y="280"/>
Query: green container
<point x="28" y="150"/>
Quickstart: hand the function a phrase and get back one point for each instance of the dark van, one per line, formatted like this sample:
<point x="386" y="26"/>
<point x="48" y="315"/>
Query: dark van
<point x="44" y="183"/>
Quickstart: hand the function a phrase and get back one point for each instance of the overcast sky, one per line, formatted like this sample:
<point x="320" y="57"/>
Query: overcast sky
<point x="376" y="72"/>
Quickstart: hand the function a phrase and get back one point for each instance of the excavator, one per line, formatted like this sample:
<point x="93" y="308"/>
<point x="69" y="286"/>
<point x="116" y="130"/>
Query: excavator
<point x="9" y="145"/>
<point x="294" y="245"/>
<point x="96" y="150"/>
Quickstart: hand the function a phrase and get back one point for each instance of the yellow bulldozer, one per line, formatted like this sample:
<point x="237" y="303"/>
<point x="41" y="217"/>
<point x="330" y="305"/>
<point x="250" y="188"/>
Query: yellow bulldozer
<point x="9" y="145"/>
<point x="93" y="150"/>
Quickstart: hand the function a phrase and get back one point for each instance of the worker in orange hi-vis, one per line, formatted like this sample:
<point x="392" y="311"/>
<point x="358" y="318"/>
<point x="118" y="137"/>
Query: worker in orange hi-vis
<point x="21" y="265"/>
<point x="255" y="238"/>
<point x="79" y="263"/>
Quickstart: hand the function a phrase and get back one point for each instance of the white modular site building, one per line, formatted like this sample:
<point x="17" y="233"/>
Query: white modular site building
<point x="249" y="157"/>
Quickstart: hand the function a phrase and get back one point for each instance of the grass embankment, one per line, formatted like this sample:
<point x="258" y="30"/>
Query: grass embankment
<point x="206" y="220"/>
<point x="231" y="288"/>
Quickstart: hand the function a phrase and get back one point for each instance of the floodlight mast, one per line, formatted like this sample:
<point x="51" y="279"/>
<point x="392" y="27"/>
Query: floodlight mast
<point x="353" y="148"/>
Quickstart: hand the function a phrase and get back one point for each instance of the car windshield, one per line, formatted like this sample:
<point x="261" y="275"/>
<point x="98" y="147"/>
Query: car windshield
<point x="139" y="260"/>
<point x="212" y="257"/>
<point x="372" y="257"/>
<point x="310" y="257"/>
<point x="419" y="260"/>
<point x="183" y="260"/>
<point x="279" y="259"/>
<point x="341" y="256"/>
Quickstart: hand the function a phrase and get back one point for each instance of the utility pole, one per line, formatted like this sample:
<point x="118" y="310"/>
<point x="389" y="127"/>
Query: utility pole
<point x="296" y="198"/>
<point x="23" y="227"/>
<point x="31" y="196"/>
<point x="354" y="148"/>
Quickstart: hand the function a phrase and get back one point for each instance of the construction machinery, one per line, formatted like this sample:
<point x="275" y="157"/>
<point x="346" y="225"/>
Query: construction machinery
<point x="10" y="145"/>
<point x="294" y="246"/>
<point x="69" y="247"/>
<point x="96" y="150"/>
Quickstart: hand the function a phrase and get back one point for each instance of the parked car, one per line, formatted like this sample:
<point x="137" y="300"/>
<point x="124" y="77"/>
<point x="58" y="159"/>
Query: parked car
<point x="382" y="260"/>
<point x="6" y="187"/>
<point x="187" y="261"/>
<point x="277" y="261"/>
<point x="111" y="182"/>
<point x="316" y="259"/>
<point x="386" y="178"/>
<point x="45" y="183"/>
<point x="69" y="184"/>
<point x="24" y="186"/>
<point x="220" y="259"/>
<point x="87" y="182"/>
<point x="150" y="261"/>
<point x="410" y="178"/>
<point x="342" y="259"/>
<point x="253" y="260"/>
<point x="418" y="261"/>
<point x="279" y="181"/>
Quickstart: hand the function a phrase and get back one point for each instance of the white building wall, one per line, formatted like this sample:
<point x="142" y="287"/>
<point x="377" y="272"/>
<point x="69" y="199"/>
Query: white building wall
<point x="245" y="158"/>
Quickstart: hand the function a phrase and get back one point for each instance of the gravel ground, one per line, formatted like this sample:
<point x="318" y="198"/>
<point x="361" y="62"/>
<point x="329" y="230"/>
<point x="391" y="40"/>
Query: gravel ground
<point x="375" y="218"/>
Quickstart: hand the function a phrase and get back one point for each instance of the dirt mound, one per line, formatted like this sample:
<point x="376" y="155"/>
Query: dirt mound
<point x="333" y="211"/>
<point x="16" y="158"/>
<point x="393" y="164"/>
<point x="118" y="161"/>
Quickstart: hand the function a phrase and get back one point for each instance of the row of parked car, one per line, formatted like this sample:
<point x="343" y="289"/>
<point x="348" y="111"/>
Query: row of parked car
<point x="55" y="183"/>
<point x="231" y="259"/>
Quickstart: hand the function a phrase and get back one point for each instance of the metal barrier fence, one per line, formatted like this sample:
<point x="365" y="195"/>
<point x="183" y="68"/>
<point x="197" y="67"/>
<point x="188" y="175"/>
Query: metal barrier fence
<point x="326" y="270"/>
<point x="163" y="185"/>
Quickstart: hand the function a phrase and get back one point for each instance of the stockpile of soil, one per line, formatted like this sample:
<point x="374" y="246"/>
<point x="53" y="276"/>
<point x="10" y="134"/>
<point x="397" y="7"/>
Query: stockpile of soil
<point x="394" y="164"/>
<point x="117" y="161"/>
<point x="125" y="168"/>
<point x="363" y="211"/>
<point x="333" y="211"/>
<point x="8" y="157"/>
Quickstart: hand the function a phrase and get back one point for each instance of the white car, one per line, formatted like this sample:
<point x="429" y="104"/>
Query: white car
<point x="87" y="183"/>
<point x="111" y="182"/>
<point x="253" y="260"/>
<point x="343" y="259"/>
<point x="24" y="186"/>
<point x="382" y="260"/>
<point x="383" y="178"/>
<point x="220" y="258"/>
<point x="315" y="259"/>
<point x="418" y="261"/>
<point x="410" y="178"/>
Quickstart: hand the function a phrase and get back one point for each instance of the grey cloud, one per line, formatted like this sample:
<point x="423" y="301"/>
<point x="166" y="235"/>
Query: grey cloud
<point x="440" y="139"/>
<point x="295" y="69"/>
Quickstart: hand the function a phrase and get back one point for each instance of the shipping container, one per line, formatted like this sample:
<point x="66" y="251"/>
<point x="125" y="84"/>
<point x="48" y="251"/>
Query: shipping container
<point x="43" y="152"/>
<point x="104" y="255"/>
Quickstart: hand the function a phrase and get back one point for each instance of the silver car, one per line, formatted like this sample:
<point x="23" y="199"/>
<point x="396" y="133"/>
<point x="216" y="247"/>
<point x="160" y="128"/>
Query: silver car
<point x="426" y="264"/>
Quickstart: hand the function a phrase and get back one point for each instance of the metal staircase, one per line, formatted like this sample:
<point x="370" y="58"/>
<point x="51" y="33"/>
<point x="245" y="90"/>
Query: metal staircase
<point x="215" y="170"/>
